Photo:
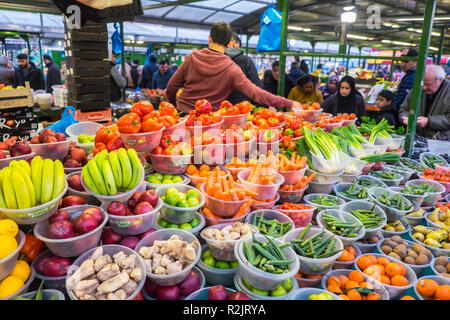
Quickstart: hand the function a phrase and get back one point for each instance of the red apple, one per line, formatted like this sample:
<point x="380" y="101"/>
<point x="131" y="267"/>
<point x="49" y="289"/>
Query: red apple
<point x="70" y="201"/>
<point x="109" y="236"/>
<point x="150" y="287"/>
<point x="60" y="215"/>
<point x="95" y="212"/>
<point x="78" y="154"/>
<point x="129" y="212"/>
<point x="217" y="293"/>
<point x="56" y="266"/>
<point x="190" y="284"/>
<point x="60" y="136"/>
<point x="143" y="207"/>
<point x="50" y="139"/>
<point x="146" y="233"/>
<point x="134" y="200"/>
<point x="72" y="163"/>
<point x="167" y="293"/>
<point x="85" y="223"/>
<point x="117" y="208"/>
<point x="62" y="229"/>
<point x="130" y="242"/>
<point x="19" y="149"/>
<point x="48" y="131"/>
<point x="139" y="296"/>
<point x="75" y="183"/>
<point x="35" y="140"/>
<point x="150" y="196"/>
<point x="238" y="295"/>
<point x="40" y="263"/>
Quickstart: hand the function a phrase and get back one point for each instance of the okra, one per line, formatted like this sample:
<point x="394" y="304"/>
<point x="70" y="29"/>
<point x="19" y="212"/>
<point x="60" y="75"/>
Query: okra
<point x="304" y="232"/>
<point x="280" y="262"/>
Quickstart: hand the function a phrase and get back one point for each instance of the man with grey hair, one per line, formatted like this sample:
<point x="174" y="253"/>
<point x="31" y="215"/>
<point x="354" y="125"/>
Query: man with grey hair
<point x="6" y="72"/>
<point x="434" y="113"/>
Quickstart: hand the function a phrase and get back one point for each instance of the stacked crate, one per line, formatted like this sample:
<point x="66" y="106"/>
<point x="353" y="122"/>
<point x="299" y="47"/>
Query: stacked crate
<point x="88" y="67"/>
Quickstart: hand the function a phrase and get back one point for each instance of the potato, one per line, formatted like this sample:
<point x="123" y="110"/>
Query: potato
<point x="422" y="259"/>
<point x="394" y="255"/>
<point x="406" y="244"/>
<point x="427" y="252"/>
<point x="374" y="239"/>
<point x="397" y="239"/>
<point x="386" y="249"/>
<point x="417" y="247"/>
<point x="390" y="243"/>
<point x="412" y="253"/>
<point x="410" y="260"/>
<point x="441" y="269"/>
<point x="441" y="260"/>
<point x="401" y="251"/>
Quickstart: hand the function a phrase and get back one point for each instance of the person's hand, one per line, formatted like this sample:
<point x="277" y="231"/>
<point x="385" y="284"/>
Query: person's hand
<point x="405" y="120"/>
<point x="422" y="122"/>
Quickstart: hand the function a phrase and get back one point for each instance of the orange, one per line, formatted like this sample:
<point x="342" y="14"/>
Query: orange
<point x="346" y="256"/>
<point x="333" y="280"/>
<point x="298" y="275"/>
<point x="223" y="173"/>
<point x="196" y="175"/>
<point x="367" y="285"/>
<point x="372" y="259"/>
<point x="351" y="250"/>
<point x="356" y="276"/>
<point x="191" y="169"/>
<point x="344" y="297"/>
<point x="373" y="296"/>
<point x="383" y="261"/>
<point x="373" y="271"/>
<point x="204" y="174"/>
<point x="365" y="261"/>
<point x="426" y="287"/>
<point x="394" y="268"/>
<point x="205" y="167"/>
<point x="317" y="276"/>
<point x="442" y="292"/>
<point x="353" y="295"/>
<point x="363" y="298"/>
<point x="381" y="268"/>
<point x="334" y="288"/>
<point x="407" y="298"/>
<point x="351" y="284"/>
<point x="385" y="280"/>
<point x="343" y="279"/>
<point x="399" y="280"/>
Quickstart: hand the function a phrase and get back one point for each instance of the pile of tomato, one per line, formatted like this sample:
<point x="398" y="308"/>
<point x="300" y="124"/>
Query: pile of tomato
<point x="266" y="119"/>
<point x="293" y="127"/>
<point x="313" y="106"/>
<point x="236" y="134"/>
<point x="228" y="109"/>
<point x="203" y="115"/>
<point x="439" y="174"/>
<point x="170" y="146"/>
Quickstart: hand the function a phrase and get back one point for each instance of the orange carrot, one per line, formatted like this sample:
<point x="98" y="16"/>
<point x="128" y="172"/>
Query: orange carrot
<point x="217" y="191"/>
<point x="233" y="195"/>
<point x="230" y="182"/>
<point x="303" y="161"/>
<point x="256" y="175"/>
<point x="309" y="179"/>
<point x="250" y="193"/>
<point x="225" y="185"/>
<point x="243" y="209"/>
<point x="252" y="173"/>
<point x="240" y="194"/>
<point x="209" y="214"/>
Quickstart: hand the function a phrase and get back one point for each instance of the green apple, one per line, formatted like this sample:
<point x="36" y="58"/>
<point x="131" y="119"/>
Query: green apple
<point x="158" y="176"/>
<point x="173" y="226"/>
<point x="248" y="285"/>
<point x="193" y="202"/>
<point x="172" y="190"/>
<point x="163" y="223"/>
<point x="278" y="291"/>
<point x="165" y="181"/>
<point x="234" y="264"/>
<point x="260" y="292"/>
<point x="325" y="296"/>
<point x="192" y="194"/>
<point x="171" y="199"/>
<point x="287" y="284"/>
<point x="168" y="177"/>
<point x="222" y="265"/>
<point x="314" y="297"/>
<point x="185" y="226"/>
<point x="91" y="138"/>
<point x="194" y="222"/>
<point x="163" y="198"/>
<point x="153" y="180"/>
<point x="210" y="261"/>
<point x="183" y="203"/>
<point x="177" y="179"/>
<point x="207" y="253"/>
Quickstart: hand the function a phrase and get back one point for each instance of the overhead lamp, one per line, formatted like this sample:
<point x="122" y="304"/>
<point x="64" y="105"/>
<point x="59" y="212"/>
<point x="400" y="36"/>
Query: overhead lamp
<point x="348" y="16"/>
<point x="139" y="42"/>
<point x="421" y="18"/>
<point x="410" y="29"/>
<point x="349" y="8"/>
<point x="292" y="42"/>
<point x="434" y="48"/>
<point x="420" y="31"/>
<point x="307" y="30"/>
<point x="401" y="43"/>
<point x="59" y="43"/>
<point x="295" y="28"/>
<point x="355" y="36"/>
<point x="386" y="41"/>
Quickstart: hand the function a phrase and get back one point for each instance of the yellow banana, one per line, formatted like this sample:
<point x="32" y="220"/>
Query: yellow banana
<point x="59" y="179"/>
<point x="2" y="200"/>
<point x="13" y="163"/>
<point x="97" y="177"/>
<point x="29" y="184"/>
<point x="86" y="176"/>
<point x="127" y="170"/>
<point x="137" y="168"/>
<point x="24" y="164"/>
<point x="8" y="189"/>
<point x="1" y="176"/>
<point x="116" y="168"/>
<point x="100" y="157"/>
<point x="48" y="172"/>
<point x="109" y="178"/>
<point x="20" y="189"/>
<point x="36" y="175"/>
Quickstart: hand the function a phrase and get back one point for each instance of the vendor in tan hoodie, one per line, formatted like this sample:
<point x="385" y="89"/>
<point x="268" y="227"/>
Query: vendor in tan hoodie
<point x="210" y="74"/>
<point x="305" y="92"/>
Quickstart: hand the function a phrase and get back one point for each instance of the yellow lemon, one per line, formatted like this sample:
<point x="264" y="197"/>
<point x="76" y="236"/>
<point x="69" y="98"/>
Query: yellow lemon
<point x="9" y="285"/>
<point x="7" y="245"/>
<point x="9" y="227"/>
<point x="21" y="270"/>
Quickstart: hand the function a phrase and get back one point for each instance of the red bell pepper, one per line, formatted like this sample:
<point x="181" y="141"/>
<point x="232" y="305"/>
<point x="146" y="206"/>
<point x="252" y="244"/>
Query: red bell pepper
<point x="142" y="108"/>
<point x="166" y="141"/>
<point x="99" y="147"/>
<point x="203" y="107"/>
<point x="115" y="143"/>
<point x="150" y="124"/>
<point x="168" y="109"/>
<point x="129" y="123"/>
<point x="31" y="248"/>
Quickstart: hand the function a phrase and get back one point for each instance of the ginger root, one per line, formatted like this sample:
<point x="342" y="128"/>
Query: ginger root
<point x="113" y="283"/>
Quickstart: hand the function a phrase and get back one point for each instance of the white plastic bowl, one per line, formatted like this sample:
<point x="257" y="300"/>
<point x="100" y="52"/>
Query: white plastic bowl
<point x="25" y="287"/>
<point x="364" y="181"/>
<point x="195" y="231"/>
<point x="433" y="267"/>
<point x="391" y="213"/>
<point x="53" y="151"/>
<point x="435" y="251"/>
<point x="305" y="293"/>
<point x="215" y="276"/>
<point x="366" y="205"/>
<point x="440" y="280"/>
<point x="270" y="215"/>
<point x="330" y="166"/>
<point x="368" y="247"/>
<point x="5" y="162"/>
<point x="427" y="154"/>
<point x="430" y="198"/>
<point x="319" y="207"/>
<point x="389" y="182"/>
<point x="154" y="186"/>
<point x="339" y="188"/>
<point x="8" y="263"/>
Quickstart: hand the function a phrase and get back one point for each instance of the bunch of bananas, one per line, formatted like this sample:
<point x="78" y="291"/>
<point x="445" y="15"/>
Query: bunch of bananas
<point x="109" y="173"/>
<point x="24" y="186"/>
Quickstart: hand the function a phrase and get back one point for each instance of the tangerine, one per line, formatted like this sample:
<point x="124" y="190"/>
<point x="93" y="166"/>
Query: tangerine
<point x="426" y="287"/>
<point x="385" y="280"/>
<point x="351" y="250"/>
<point x="356" y="276"/>
<point x="367" y="285"/>
<point x="333" y="280"/>
<point x="334" y="288"/>
<point x="364" y="262"/>
<point x="343" y="279"/>
<point x="394" y="268"/>
<point x="383" y="261"/>
<point x="407" y="298"/>
<point x="373" y="296"/>
<point x="354" y="295"/>
<point x="442" y="292"/>
<point x="191" y="169"/>
<point x="205" y="167"/>
<point x="399" y="280"/>
<point x="351" y="284"/>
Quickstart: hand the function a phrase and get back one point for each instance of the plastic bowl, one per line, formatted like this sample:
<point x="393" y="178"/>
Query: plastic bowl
<point x="394" y="291"/>
<point x="83" y="194"/>
<point x="110" y="249"/>
<point x="381" y="290"/>
<point x="313" y="266"/>
<point x="418" y="269"/>
<point x="88" y="128"/>
<point x="47" y="294"/>
<point x="388" y="234"/>
<point x="347" y="122"/>
<point x="416" y="200"/>
<point x="25" y="287"/>
<point x="265" y="147"/>
<point x="447" y="198"/>
<point x="359" y="153"/>
<point x="395" y="142"/>
<point x="389" y="182"/>
<point x="354" y="167"/>
<point x="55" y="283"/>
<point x="215" y="276"/>
<point x="377" y="149"/>
<point x="344" y="216"/>
<point x="224" y="249"/>
<point x="74" y="246"/>
<point x="239" y="285"/>
<point x="440" y="280"/>
<point x="366" y="205"/>
<point x="349" y="177"/>
<point x="133" y="225"/>
<point x="300" y="217"/>
<point x="330" y="166"/>
<point x="330" y="126"/>
<point x="433" y="267"/>
<point x="212" y="222"/>
<point x="308" y="282"/>
<point x="197" y="130"/>
<point x="405" y="172"/>
<point x="365" y="180"/>
<point x="175" y="214"/>
<point x="318" y="207"/>
<point x="368" y="247"/>
<point x="223" y="208"/>
<point x="445" y="184"/>
<point x="413" y="161"/>
<point x="391" y="213"/>
<point x="305" y="293"/>
<point x="438" y="146"/>
<point x="323" y="177"/>
<point x="341" y="187"/>
<point x="210" y="154"/>
<point x="239" y="120"/>
<point x="142" y="142"/>
<point x="317" y="187"/>
<point x="165" y="234"/>
<point x="413" y="221"/>
<point x="195" y="231"/>
<point x="307" y="115"/>
<point x="423" y="155"/>
<point x="202" y="294"/>
<point x="258" y="278"/>
<point x="34" y="214"/>
<point x="293" y="196"/>
<point x="270" y="215"/>
<point x="153" y="186"/>
<point x="265" y="205"/>
<point x="431" y="198"/>
<point x="292" y="177"/>
<point x="347" y="264"/>
<point x="53" y="151"/>
<point x="435" y="251"/>
<point x="5" y="162"/>
<point x="170" y="164"/>
<point x="264" y="191"/>
<point x="197" y="181"/>
<point x="8" y="263"/>
<point x="430" y="223"/>
<point x="177" y="131"/>
<point x="240" y="149"/>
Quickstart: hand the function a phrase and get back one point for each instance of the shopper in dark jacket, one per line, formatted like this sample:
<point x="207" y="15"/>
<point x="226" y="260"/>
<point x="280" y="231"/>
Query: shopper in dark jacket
<point x="247" y="66"/>
<point x="407" y="82"/>
<point x="6" y="72"/>
<point x="347" y="100"/>
<point x="118" y="82"/>
<point x="53" y="74"/>
<point x="270" y="81"/>
<point x="27" y="71"/>
<point x="388" y="109"/>
<point x="135" y="73"/>
<point x="162" y="76"/>
<point x="295" y="73"/>
<point x="148" y="72"/>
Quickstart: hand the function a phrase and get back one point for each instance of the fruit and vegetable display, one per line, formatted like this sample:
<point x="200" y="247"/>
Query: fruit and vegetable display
<point x="440" y="216"/>
<point x="341" y="227"/>
<point x="431" y="290"/>
<point x="432" y="161"/>
<point x="14" y="147"/>
<point x="370" y="219"/>
<point x="220" y="293"/>
<point x="414" y="254"/>
<point x="179" y="199"/>
<point x="431" y="237"/>
<point x="203" y="115"/>
<point x="439" y="174"/>
<point x="442" y="266"/>
<point x="106" y="276"/>
<point x="383" y="270"/>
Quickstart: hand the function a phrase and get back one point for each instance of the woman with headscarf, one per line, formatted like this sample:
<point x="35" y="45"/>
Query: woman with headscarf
<point x="305" y="91"/>
<point x="330" y="88"/>
<point x="347" y="99"/>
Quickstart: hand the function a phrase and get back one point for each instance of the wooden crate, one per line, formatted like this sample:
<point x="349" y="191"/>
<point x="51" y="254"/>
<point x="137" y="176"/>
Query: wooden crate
<point x="87" y="54"/>
<point x="16" y="98"/>
<point x="74" y="80"/>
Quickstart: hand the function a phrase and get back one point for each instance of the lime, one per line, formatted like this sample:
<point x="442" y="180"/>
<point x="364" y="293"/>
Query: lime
<point x="158" y="176"/>
<point x="181" y="196"/>
<point x="192" y="194"/>
<point x="210" y="261"/>
<point x="192" y="202"/>
<point x="206" y="253"/>
<point x="163" y="198"/>
<point x="222" y="265"/>
<point x="91" y="138"/>
<point x="153" y="180"/>
<point x="260" y="292"/>
<point x="177" y="179"/>
<point x="172" y="190"/>
<point x="234" y="264"/>
<point x="278" y="291"/>
<point x="165" y="181"/>
<point x="186" y="226"/>
<point x="287" y="284"/>
<point x="314" y="297"/>
<point x="168" y="177"/>
<point x="82" y="138"/>
<point x="194" y="222"/>
<point x="183" y="204"/>
<point x="171" y="199"/>
<point x="325" y="296"/>
<point x="172" y="226"/>
<point x="248" y="285"/>
<point x="163" y="223"/>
